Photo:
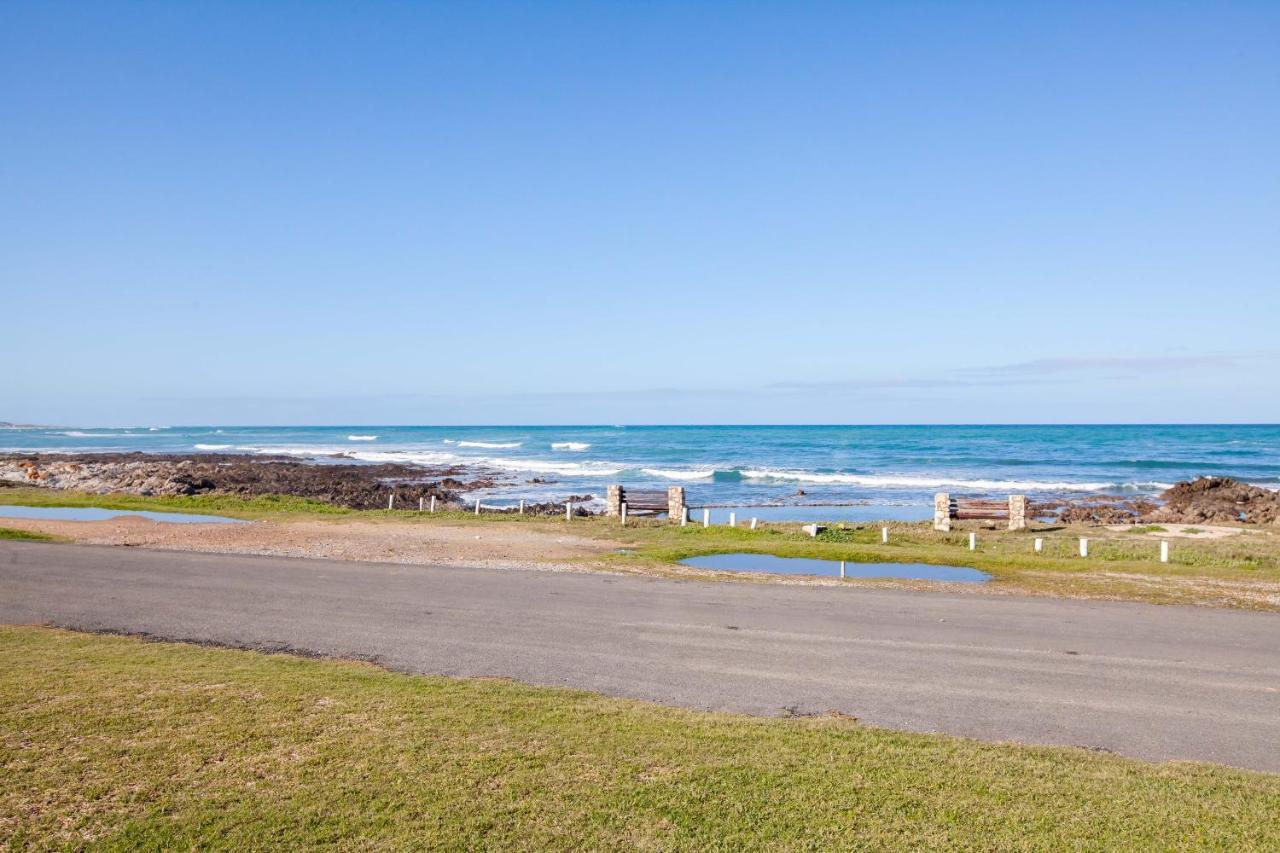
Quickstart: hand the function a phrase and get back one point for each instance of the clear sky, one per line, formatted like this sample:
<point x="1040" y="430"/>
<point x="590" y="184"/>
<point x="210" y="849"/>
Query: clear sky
<point x="370" y="212"/>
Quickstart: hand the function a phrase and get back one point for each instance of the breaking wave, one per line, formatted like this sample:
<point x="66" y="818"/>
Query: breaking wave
<point x="917" y="482"/>
<point x="362" y="438"/>
<point x="491" y="445"/>
<point x="570" y="445"/>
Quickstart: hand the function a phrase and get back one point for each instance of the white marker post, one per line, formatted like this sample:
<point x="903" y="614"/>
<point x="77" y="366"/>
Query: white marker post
<point x="733" y="519"/>
<point x="1084" y="547"/>
<point x="433" y="503"/>
<point x="391" y="499"/>
<point x="842" y="569"/>
<point x="477" y="506"/>
<point x="568" y="510"/>
<point x="706" y="518"/>
<point x="753" y="523"/>
<point x="884" y="535"/>
<point x="522" y="506"/>
<point x="684" y="516"/>
<point x="973" y="541"/>
<point x="624" y="513"/>
<point x="1164" y="552"/>
<point x="1039" y="545"/>
<point x="420" y="501"/>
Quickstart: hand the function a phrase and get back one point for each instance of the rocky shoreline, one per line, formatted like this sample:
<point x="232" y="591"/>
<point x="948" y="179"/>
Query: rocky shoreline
<point x="350" y="485"/>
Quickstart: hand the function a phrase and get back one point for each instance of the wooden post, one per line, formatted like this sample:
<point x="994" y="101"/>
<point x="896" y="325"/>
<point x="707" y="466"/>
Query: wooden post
<point x="433" y="503"/>
<point x="1164" y="552"/>
<point x="622" y="511"/>
<point x="522" y="506"/>
<point x="753" y="522"/>
<point x="706" y="518"/>
<point x="842" y="569"/>
<point x="733" y="519"/>
<point x="1084" y="547"/>
<point x="477" y="506"/>
<point x="1039" y="545"/>
<point x="973" y="541"/>
<point x="884" y="535"/>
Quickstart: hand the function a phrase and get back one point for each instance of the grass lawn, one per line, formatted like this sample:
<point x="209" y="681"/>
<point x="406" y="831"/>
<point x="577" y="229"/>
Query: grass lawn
<point x="120" y="743"/>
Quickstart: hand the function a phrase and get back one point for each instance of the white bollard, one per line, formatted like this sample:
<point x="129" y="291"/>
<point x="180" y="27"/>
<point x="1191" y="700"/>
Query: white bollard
<point x="433" y="503"/>
<point x="1084" y="547"/>
<point x="1039" y="545"/>
<point x="884" y="535"/>
<point x="973" y="541"/>
<point x="391" y="499"/>
<point x="842" y="568"/>
<point x="477" y="506"/>
<point x="684" y="516"/>
<point x="624" y="513"/>
<point x="420" y="502"/>
<point x="522" y="506"/>
<point x="706" y="518"/>
<point x="753" y="523"/>
<point x="568" y="510"/>
<point x="1164" y="552"/>
<point x="733" y="519"/>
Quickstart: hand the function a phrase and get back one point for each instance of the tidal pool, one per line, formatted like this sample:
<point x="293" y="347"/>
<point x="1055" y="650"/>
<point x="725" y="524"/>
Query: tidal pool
<point x="93" y="513"/>
<point x="807" y="566"/>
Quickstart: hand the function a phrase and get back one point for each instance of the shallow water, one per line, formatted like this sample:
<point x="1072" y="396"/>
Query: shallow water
<point x="807" y="566"/>
<point x="93" y="513"/>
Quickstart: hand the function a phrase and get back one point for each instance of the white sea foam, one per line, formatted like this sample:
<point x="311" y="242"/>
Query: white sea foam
<point x="679" y="474"/>
<point x="491" y="445"/>
<point x="549" y="466"/>
<point x="569" y="445"/>
<point x="362" y="438"/>
<point x="75" y="433"/>
<point x="213" y="446"/>
<point x="925" y="482"/>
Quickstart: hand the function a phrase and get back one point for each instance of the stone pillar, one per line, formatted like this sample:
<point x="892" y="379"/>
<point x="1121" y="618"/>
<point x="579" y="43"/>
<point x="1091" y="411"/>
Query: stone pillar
<point x="1017" y="512"/>
<point x="675" y="503"/>
<point x="942" y="511"/>
<point x="613" y="502"/>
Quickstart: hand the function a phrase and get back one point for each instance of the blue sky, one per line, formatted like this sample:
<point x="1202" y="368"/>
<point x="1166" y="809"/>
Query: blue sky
<point x="643" y="212"/>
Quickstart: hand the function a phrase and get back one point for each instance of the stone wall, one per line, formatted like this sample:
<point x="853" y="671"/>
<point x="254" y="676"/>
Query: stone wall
<point x="613" y="501"/>
<point x="1017" y="512"/>
<point x="675" y="503"/>
<point x="942" y="511"/>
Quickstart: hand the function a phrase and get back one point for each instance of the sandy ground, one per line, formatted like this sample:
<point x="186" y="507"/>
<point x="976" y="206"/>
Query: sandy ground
<point x="1186" y="531"/>
<point x="508" y="546"/>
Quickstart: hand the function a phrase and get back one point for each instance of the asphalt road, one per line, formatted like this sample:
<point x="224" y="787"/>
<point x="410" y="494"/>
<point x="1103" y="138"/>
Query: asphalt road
<point x="1147" y="681"/>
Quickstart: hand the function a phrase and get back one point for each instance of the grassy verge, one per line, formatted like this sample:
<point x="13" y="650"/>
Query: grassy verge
<point x="254" y="507"/>
<point x="30" y="535"/>
<point x="121" y="744"/>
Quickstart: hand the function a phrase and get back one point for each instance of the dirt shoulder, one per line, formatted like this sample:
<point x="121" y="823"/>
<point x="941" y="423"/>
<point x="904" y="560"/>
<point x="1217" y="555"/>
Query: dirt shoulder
<point x="388" y="542"/>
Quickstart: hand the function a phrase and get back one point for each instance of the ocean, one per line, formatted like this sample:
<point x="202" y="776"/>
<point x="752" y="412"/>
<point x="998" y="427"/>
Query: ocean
<point x="853" y="472"/>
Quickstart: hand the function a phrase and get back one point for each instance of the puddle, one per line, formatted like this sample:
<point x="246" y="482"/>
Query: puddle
<point x="93" y="513"/>
<point x="806" y="566"/>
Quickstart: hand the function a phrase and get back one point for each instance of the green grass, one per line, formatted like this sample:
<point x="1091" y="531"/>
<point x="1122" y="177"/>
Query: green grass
<point x="253" y="507"/>
<point x="118" y="744"/>
<point x="13" y="533"/>
<point x="1148" y="528"/>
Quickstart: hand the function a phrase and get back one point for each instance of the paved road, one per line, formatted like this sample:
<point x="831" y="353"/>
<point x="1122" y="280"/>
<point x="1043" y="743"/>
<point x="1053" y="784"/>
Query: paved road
<point x="1153" y="682"/>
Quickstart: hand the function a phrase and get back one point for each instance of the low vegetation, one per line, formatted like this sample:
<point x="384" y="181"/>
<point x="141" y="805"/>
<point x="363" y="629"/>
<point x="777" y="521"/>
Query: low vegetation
<point x="116" y="743"/>
<point x="235" y="506"/>
<point x="14" y="533"/>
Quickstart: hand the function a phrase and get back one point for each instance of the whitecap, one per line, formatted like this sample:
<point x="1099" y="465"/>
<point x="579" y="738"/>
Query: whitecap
<point x="679" y="474"/>
<point x="492" y="445"/>
<point x="570" y="445"/>
<point x="926" y="482"/>
<point x="213" y="446"/>
<point x="362" y="438"/>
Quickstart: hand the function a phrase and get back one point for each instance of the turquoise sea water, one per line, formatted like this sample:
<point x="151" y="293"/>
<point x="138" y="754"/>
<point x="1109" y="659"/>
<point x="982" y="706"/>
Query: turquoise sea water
<point x="897" y="468"/>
